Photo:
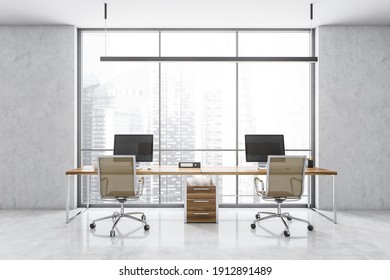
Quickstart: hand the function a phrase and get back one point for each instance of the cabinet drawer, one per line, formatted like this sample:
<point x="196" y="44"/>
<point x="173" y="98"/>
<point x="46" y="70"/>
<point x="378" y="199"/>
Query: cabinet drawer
<point x="201" y="195"/>
<point x="201" y="204"/>
<point x="200" y="185"/>
<point x="194" y="192"/>
<point x="200" y="189"/>
<point x="201" y="216"/>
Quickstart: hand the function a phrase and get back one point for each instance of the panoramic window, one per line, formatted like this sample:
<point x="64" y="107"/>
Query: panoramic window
<point x="197" y="111"/>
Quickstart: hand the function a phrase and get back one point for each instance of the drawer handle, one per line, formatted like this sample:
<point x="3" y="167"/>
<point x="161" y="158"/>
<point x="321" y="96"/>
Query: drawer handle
<point x="204" y="214"/>
<point x="201" y="189"/>
<point x="201" y="201"/>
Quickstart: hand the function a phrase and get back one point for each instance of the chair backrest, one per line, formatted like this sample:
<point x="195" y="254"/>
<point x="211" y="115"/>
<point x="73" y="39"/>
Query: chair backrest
<point x="285" y="176"/>
<point x="117" y="176"/>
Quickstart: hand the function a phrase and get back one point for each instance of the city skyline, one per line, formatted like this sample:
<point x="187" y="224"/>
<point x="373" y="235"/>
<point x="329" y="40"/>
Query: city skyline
<point x="193" y="106"/>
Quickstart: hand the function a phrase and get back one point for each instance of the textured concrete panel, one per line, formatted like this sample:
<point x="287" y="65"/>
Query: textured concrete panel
<point x="37" y="101"/>
<point x="353" y="111"/>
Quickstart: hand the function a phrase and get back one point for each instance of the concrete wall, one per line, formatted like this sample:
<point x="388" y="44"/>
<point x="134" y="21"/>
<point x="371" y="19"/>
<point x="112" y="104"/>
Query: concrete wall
<point x="353" y="115"/>
<point x="37" y="107"/>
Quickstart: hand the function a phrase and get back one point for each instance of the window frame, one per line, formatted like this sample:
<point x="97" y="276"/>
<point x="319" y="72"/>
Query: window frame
<point x="312" y="93"/>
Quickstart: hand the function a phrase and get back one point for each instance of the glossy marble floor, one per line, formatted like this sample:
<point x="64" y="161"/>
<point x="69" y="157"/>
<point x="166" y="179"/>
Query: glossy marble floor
<point x="44" y="235"/>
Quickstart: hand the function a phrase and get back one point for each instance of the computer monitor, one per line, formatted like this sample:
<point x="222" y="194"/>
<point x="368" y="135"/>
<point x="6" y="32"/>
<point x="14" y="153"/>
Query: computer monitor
<point x="140" y="145"/>
<point x="259" y="147"/>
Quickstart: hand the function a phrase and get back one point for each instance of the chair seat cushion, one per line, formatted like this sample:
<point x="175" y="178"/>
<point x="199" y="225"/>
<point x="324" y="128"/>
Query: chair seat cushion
<point x="124" y="194"/>
<point x="277" y="194"/>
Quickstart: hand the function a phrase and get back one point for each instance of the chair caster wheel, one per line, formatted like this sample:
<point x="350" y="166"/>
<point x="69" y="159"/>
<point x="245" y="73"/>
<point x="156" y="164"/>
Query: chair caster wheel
<point x="143" y="217"/>
<point x="289" y="218"/>
<point x="310" y="227"/>
<point x="92" y="225"/>
<point x="112" y="233"/>
<point x="253" y="226"/>
<point x="286" y="233"/>
<point x="257" y="216"/>
<point x="146" y="227"/>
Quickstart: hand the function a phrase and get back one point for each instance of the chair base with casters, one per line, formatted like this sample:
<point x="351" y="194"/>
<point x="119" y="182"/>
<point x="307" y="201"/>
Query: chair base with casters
<point x="280" y="215"/>
<point x="116" y="217"/>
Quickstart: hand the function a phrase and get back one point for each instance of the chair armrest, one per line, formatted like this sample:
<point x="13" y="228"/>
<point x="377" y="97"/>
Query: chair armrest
<point x="259" y="191"/>
<point x="141" y="182"/>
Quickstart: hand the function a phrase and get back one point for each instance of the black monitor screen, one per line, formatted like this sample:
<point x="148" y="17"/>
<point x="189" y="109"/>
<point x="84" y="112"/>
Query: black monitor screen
<point x="259" y="147"/>
<point x="140" y="145"/>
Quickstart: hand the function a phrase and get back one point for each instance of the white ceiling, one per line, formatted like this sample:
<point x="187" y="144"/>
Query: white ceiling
<point x="195" y="13"/>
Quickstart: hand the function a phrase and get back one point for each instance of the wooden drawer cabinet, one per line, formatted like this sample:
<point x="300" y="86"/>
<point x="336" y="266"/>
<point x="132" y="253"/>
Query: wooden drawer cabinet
<point x="201" y="201"/>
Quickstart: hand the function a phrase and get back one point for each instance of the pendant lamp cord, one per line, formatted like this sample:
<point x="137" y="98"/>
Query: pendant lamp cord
<point x="311" y="29"/>
<point x="105" y="29"/>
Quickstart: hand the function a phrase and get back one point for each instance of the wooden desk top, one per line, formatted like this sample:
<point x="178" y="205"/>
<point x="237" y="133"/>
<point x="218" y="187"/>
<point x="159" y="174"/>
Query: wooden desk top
<point x="253" y="170"/>
<point x="319" y="171"/>
<point x="207" y="170"/>
<point x="152" y="170"/>
<point x="168" y="170"/>
<point x="232" y="170"/>
<point x="80" y="171"/>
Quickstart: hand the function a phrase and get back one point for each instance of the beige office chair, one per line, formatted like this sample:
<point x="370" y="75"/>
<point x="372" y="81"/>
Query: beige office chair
<point x="285" y="180"/>
<point x="118" y="181"/>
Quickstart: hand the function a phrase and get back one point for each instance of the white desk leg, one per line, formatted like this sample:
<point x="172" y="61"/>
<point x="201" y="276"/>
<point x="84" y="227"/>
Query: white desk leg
<point x="88" y="188"/>
<point x="334" y="220"/>
<point x="67" y="200"/>
<point x="334" y="200"/>
<point x="67" y="218"/>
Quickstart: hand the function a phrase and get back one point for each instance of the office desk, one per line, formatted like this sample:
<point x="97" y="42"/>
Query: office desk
<point x="152" y="170"/>
<point x="205" y="171"/>
<point x="251" y="170"/>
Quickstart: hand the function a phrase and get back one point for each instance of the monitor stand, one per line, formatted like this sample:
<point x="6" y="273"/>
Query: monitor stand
<point x="262" y="165"/>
